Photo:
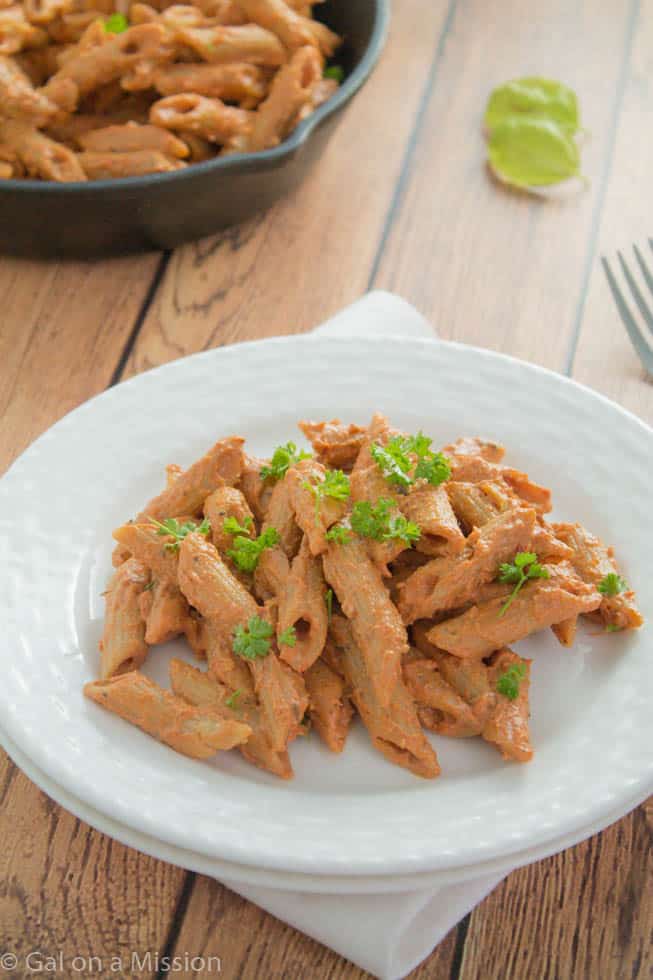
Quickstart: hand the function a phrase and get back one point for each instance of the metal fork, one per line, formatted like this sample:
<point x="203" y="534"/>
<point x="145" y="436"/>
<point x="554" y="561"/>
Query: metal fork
<point x="643" y="349"/>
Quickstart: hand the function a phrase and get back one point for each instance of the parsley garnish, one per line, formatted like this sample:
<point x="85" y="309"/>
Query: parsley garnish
<point x="247" y="551"/>
<point x="337" y="72"/>
<point x="232" y="700"/>
<point x="335" y="485"/>
<point x="338" y="533"/>
<point x="508" y="683"/>
<point x="612" y="628"/>
<point x="116" y="24"/>
<point x="283" y="458"/>
<point x="287" y="638"/>
<point x="253" y="641"/>
<point x="379" y="523"/>
<point x="524" y="567"/>
<point x="396" y="461"/>
<point x="612" y="584"/>
<point x="328" y="598"/>
<point x="150" y="585"/>
<point x="231" y="525"/>
<point x="172" y="528"/>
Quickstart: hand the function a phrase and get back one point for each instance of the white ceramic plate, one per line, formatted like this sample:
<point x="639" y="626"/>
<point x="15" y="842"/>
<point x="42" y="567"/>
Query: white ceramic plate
<point x="237" y="874"/>
<point x="356" y="814"/>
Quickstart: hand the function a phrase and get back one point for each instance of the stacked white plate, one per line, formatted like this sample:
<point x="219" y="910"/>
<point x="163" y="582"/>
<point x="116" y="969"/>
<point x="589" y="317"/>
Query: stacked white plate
<point x="352" y="823"/>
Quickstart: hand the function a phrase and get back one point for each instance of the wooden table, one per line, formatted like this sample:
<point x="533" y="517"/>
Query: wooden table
<point x="401" y="201"/>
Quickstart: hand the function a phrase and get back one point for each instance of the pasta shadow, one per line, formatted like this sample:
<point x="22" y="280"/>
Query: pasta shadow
<point x="161" y="211"/>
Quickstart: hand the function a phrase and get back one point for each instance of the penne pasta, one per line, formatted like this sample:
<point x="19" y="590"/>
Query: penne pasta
<point x="189" y="730"/>
<point x="394" y="726"/>
<point x="335" y="444"/>
<point x="290" y="91"/>
<point x="104" y="166"/>
<point x="302" y="610"/>
<point x="123" y="645"/>
<point x="313" y="515"/>
<point x="133" y="137"/>
<point x="331" y="711"/>
<point x="375" y="622"/>
<point x="507" y="726"/>
<point x="40" y="155"/>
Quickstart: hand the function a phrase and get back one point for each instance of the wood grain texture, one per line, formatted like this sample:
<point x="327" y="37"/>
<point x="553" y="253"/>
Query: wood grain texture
<point x="585" y="913"/>
<point x="252" y="944"/>
<point x="516" y="279"/>
<point x="312" y="253"/>
<point x="64" y="888"/>
<point x="64" y="328"/>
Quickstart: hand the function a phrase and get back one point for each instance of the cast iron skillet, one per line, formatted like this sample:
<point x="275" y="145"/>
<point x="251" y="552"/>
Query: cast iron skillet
<point x="160" y="211"/>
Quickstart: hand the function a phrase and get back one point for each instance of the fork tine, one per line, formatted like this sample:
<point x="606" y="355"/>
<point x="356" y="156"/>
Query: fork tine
<point x="637" y="293"/>
<point x="646" y="272"/>
<point x="641" y="348"/>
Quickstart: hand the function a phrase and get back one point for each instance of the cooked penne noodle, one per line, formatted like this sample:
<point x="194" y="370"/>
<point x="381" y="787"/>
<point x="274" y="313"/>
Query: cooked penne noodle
<point x="231" y="83"/>
<point x="375" y="622"/>
<point x="104" y="166"/>
<point x="256" y="490"/>
<point x="17" y="33"/>
<point x="439" y="708"/>
<point x="393" y="726"/>
<point x="144" y="542"/>
<point x="335" y="444"/>
<point x="507" y="726"/>
<point x="302" y="609"/>
<point x="168" y="613"/>
<point x="198" y="688"/>
<point x="293" y="29"/>
<point x="430" y="509"/>
<point x="209" y="118"/>
<point x="281" y="515"/>
<point x="132" y="137"/>
<point x="314" y="516"/>
<point x="331" y="711"/>
<point x="221" y="45"/>
<point x="19" y="99"/>
<point x="449" y="582"/>
<point x="192" y="731"/>
<point x="123" y="645"/>
<point x="223" y="503"/>
<point x="43" y="11"/>
<point x="541" y="603"/>
<point x="138" y="51"/>
<point x="41" y="156"/>
<point x="290" y="91"/>
<point x="593" y="561"/>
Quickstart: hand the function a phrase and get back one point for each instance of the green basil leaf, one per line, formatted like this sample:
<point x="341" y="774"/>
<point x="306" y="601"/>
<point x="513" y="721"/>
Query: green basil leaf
<point x="535" y="98"/>
<point x="528" y="153"/>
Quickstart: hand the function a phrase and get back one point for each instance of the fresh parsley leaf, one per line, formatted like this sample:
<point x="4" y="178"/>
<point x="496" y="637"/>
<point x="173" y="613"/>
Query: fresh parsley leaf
<point x="116" y="24"/>
<point x="232" y="526"/>
<point x="283" y="458"/>
<point x="397" y="461"/>
<point x="232" y="700"/>
<point x="337" y="72"/>
<point x="508" y="683"/>
<point x="246" y="551"/>
<point x="253" y="641"/>
<point x="150" y="585"/>
<point x="334" y="485"/>
<point x="172" y="528"/>
<point x="287" y="638"/>
<point x="393" y="461"/>
<point x="328" y="598"/>
<point x="338" y="533"/>
<point x="381" y="522"/>
<point x="525" y="566"/>
<point x="612" y="584"/>
<point x="612" y="628"/>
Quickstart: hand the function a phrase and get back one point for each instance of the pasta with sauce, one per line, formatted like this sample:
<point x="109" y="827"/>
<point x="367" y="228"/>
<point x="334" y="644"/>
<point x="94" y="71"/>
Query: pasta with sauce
<point x="374" y="577"/>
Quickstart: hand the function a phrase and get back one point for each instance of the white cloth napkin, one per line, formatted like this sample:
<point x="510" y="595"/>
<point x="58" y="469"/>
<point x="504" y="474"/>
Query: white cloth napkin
<point x="387" y="934"/>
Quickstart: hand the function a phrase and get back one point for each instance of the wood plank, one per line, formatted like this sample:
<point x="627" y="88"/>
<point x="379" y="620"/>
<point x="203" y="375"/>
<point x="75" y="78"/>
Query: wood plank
<point x="64" y="886"/>
<point x="312" y="253"/>
<point x="65" y="889"/>
<point x="515" y="281"/>
<point x="604" y="358"/>
<point x="585" y="913"/>
<point x="64" y="327"/>
<point x="253" y="944"/>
